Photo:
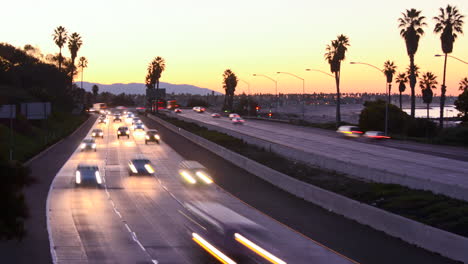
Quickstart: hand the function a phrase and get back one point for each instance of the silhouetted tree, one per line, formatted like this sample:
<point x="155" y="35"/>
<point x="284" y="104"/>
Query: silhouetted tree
<point x="95" y="90"/>
<point x="427" y="82"/>
<point x="74" y="45"/>
<point x="449" y="22"/>
<point x="229" y="84"/>
<point x="401" y="79"/>
<point x="411" y="24"/>
<point x="335" y="54"/>
<point x="461" y="104"/>
<point x="82" y="63"/>
<point x="60" y="38"/>
<point x="389" y="71"/>
<point x="155" y="69"/>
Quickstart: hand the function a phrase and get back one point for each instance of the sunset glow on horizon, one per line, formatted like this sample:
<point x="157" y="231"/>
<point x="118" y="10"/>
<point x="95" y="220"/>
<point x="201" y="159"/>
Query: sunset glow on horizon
<point x="200" y="39"/>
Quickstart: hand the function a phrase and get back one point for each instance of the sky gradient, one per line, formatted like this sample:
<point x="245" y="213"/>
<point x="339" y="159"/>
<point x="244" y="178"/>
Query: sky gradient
<point x="200" y="39"/>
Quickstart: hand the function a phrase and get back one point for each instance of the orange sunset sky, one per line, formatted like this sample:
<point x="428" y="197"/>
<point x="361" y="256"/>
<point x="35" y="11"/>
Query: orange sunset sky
<point x="200" y="39"/>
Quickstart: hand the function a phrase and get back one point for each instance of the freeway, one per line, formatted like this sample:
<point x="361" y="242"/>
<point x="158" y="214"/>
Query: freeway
<point x="145" y="219"/>
<point x="426" y="164"/>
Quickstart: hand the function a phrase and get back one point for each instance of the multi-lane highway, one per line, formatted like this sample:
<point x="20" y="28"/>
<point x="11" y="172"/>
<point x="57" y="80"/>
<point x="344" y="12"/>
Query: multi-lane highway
<point x="145" y="219"/>
<point x="432" y="166"/>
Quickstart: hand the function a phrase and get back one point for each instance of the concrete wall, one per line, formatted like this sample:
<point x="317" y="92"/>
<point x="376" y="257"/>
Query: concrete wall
<point x="427" y="237"/>
<point x="358" y="170"/>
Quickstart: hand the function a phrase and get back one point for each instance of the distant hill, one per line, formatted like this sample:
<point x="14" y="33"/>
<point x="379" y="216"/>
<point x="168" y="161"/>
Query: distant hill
<point x="139" y="88"/>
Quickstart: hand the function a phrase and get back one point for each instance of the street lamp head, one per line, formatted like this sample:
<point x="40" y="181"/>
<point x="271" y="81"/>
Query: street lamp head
<point x="254" y="74"/>
<point x="353" y="62"/>
<point x="278" y="72"/>
<point x="307" y="69"/>
<point x="438" y="55"/>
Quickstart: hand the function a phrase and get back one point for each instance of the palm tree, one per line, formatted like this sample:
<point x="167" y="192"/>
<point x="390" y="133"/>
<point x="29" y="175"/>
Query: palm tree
<point x="95" y="90"/>
<point x="401" y="79"/>
<point x="411" y="30"/>
<point x="427" y="82"/>
<point x="74" y="44"/>
<point x="448" y="23"/>
<point x="229" y="84"/>
<point x="461" y="104"/>
<point x="334" y="55"/>
<point x="463" y="85"/>
<point x="155" y="69"/>
<point x="82" y="63"/>
<point x="60" y="38"/>
<point x="389" y="71"/>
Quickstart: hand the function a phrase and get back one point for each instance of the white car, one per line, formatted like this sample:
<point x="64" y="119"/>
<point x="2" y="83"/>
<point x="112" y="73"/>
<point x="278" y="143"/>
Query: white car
<point x="349" y="131"/>
<point x="87" y="175"/>
<point x="199" y="109"/>
<point x="237" y="121"/>
<point x="233" y="115"/>
<point x="376" y="135"/>
<point x="88" y="144"/>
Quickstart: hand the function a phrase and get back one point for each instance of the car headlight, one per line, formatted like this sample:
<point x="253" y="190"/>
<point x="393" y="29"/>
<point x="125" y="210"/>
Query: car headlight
<point x="93" y="146"/>
<point x="78" y="177"/>
<point x="128" y="132"/>
<point x="188" y="177"/>
<point x="204" y="177"/>
<point x="94" y="134"/>
<point x="83" y="145"/>
<point x="147" y="137"/>
<point x="157" y="137"/>
<point x="118" y="132"/>
<point x="100" y="134"/>
<point x="149" y="168"/>
<point x="132" y="168"/>
<point x="98" y="177"/>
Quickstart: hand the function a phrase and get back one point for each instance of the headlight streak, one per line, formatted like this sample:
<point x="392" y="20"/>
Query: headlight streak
<point x="98" y="177"/>
<point x="149" y="168"/>
<point x="212" y="250"/>
<point x="147" y="137"/>
<point x="257" y="249"/>
<point x="132" y="168"/>
<point x="204" y="177"/>
<point x="83" y="146"/>
<point x="78" y="177"/>
<point x="157" y="137"/>
<point x="188" y="177"/>
<point x="93" y="146"/>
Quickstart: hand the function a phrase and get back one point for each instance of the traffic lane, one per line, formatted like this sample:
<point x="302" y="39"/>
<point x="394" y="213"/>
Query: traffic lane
<point x="286" y="244"/>
<point x="35" y="245"/>
<point x="437" y="169"/>
<point x="351" y="239"/>
<point x="450" y="152"/>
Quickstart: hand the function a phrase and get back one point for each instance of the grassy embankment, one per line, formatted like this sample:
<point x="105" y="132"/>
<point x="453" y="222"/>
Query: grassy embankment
<point x="423" y="206"/>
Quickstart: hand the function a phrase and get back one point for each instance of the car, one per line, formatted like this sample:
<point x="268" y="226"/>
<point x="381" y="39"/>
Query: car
<point x="232" y="115"/>
<point x="123" y="132"/>
<point x="237" y="121"/>
<point x="88" y="174"/>
<point x="177" y="111"/>
<point x="136" y="120"/>
<point x="102" y="120"/>
<point x="193" y="172"/>
<point x="349" y="131"/>
<point x="88" y="144"/>
<point x="152" y="135"/>
<point x="139" y="126"/>
<point x="199" y="109"/>
<point x="215" y="115"/>
<point x="375" y="135"/>
<point x="117" y="118"/>
<point x="97" y="133"/>
<point x="140" y="166"/>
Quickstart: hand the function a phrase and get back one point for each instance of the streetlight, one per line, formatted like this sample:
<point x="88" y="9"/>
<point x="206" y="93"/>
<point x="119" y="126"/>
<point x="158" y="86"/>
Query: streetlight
<point x="248" y="96"/>
<point x="331" y="75"/>
<point x="453" y="57"/>
<point x="386" y="105"/>
<point x="276" y="86"/>
<point x="303" y="89"/>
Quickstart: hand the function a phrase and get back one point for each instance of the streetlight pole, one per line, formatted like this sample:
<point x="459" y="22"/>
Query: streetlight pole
<point x="386" y="93"/>
<point x="276" y="87"/>
<point x="303" y="91"/>
<point x="248" y="96"/>
<point x="453" y="57"/>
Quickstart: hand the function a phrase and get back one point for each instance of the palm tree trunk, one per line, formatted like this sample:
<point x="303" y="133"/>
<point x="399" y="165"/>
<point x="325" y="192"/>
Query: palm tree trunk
<point x="338" y="109"/>
<point x="60" y="58"/>
<point x="427" y="110"/>
<point x="157" y="96"/>
<point x="412" y="86"/>
<point x="442" y="96"/>
<point x="400" y="102"/>
<point x="82" y="72"/>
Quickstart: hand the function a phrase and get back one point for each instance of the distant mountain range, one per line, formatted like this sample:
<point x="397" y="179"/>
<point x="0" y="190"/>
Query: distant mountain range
<point x="140" y="88"/>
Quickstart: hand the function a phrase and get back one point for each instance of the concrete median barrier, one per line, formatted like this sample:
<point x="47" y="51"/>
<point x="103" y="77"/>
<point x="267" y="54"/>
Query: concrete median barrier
<point x="424" y="236"/>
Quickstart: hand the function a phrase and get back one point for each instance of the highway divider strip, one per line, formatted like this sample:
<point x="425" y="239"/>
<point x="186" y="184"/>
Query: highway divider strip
<point x="436" y="240"/>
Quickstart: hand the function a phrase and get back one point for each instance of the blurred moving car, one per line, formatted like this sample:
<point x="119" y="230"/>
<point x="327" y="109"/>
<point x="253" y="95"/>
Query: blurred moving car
<point x="215" y="115"/>
<point x="233" y="115"/>
<point x="199" y="109"/>
<point x="117" y="118"/>
<point x="139" y="126"/>
<point x="140" y="166"/>
<point x="193" y="172"/>
<point x="123" y="132"/>
<point x="97" y="132"/>
<point x="102" y="120"/>
<point x="177" y="111"/>
<point x="349" y="131"/>
<point x="152" y="135"/>
<point x="88" y="144"/>
<point x="237" y="121"/>
<point x="375" y="135"/>
<point x="136" y="120"/>
<point x="86" y="174"/>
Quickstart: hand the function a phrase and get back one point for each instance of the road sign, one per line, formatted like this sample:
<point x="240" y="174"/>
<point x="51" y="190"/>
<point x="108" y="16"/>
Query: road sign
<point x="36" y="111"/>
<point x="7" y="111"/>
<point x="153" y="94"/>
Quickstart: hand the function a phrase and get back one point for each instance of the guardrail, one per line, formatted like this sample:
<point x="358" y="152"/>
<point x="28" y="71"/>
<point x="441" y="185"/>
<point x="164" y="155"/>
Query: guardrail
<point x="427" y="237"/>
